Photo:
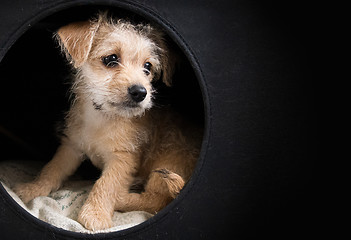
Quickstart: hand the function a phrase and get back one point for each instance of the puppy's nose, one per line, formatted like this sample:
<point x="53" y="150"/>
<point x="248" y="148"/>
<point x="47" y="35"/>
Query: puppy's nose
<point x="137" y="93"/>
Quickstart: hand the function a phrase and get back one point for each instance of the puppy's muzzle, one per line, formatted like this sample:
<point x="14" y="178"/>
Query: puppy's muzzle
<point x="137" y="93"/>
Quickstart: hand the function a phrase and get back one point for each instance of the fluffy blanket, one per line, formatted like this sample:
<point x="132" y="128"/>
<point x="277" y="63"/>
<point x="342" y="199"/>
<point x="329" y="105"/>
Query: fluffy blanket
<point x="60" y="208"/>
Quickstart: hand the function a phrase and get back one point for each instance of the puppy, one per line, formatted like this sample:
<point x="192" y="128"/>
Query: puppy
<point x="111" y="122"/>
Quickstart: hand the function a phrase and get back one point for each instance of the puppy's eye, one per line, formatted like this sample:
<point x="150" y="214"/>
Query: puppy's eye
<point x="147" y="68"/>
<point x="110" y="60"/>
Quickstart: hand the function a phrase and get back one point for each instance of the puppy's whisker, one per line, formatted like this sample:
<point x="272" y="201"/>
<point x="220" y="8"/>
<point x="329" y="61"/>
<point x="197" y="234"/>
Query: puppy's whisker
<point x="146" y="71"/>
<point x="110" y="64"/>
<point x="121" y="65"/>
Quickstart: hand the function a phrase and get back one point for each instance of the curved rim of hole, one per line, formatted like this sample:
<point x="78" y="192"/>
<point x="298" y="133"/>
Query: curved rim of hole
<point x="149" y="14"/>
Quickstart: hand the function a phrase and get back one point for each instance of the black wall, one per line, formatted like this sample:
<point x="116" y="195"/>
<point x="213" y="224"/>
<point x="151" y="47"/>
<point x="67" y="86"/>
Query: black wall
<point x="251" y="64"/>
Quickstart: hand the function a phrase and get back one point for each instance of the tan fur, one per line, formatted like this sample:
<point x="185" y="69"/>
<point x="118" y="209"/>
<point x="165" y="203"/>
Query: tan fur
<point x="126" y="142"/>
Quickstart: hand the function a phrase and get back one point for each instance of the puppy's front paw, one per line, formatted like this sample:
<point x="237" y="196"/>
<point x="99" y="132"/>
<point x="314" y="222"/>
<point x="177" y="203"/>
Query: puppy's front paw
<point x="28" y="191"/>
<point x="94" y="218"/>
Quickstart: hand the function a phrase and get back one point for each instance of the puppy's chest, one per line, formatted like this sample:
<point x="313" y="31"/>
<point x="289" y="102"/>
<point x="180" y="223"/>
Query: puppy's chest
<point x="99" y="140"/>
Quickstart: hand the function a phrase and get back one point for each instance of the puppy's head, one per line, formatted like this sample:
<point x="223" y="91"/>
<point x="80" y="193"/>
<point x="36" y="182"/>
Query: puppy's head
<point x="116" y="63"/>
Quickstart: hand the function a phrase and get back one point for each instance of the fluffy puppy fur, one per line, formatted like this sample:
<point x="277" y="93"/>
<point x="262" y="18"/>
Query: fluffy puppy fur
<point x="111" y="122"/>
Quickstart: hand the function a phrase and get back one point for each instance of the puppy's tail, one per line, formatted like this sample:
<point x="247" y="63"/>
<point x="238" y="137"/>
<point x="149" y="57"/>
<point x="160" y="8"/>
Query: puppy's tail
<point x="174" y="182"/>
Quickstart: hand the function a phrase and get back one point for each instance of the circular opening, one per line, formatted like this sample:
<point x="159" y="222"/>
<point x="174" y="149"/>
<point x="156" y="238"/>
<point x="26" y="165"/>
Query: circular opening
<point x="37" y="80"/>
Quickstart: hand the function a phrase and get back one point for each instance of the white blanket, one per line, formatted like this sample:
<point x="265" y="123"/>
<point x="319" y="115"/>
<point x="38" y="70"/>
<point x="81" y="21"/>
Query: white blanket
<point x="60" y="208"/>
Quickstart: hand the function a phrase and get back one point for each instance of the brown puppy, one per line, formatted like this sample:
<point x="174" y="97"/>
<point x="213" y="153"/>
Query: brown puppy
<point x="111" y="122"/>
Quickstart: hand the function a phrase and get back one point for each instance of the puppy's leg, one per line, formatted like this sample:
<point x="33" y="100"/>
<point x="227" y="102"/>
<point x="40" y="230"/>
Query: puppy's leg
<point x="162" y="187"/>
<point x="64" y="163"/>
<point x="171" y="167"/>
<point x="110" y="188"/>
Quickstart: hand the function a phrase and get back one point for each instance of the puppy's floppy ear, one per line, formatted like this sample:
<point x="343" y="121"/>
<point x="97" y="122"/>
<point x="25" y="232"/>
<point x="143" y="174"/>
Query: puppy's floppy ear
<point x="76" y="40"/>
<point x="168" y="57"/>
<point x="168" y="65"/>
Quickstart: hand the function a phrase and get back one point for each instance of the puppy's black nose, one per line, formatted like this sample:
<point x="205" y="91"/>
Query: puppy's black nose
<point x="137" y="93"/>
